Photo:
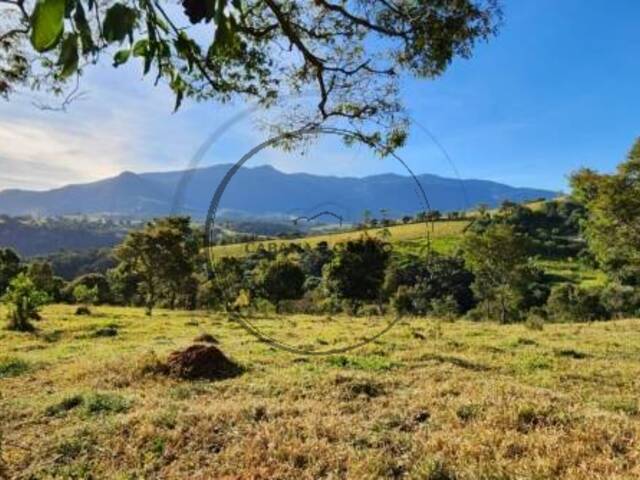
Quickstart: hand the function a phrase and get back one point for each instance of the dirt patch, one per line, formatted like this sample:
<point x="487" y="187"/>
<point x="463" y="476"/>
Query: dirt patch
<point x="202" y="362"/>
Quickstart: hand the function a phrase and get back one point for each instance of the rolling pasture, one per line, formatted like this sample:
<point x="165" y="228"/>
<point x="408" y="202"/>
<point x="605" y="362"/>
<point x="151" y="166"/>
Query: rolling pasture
<point x="442" y="234"/>
<point x="80" y="398"/>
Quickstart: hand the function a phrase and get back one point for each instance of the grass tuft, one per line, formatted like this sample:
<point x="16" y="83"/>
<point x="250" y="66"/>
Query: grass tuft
<point x="63" y="406"/>
<point x="106" y="403"/>
<point x="13" y="367"/>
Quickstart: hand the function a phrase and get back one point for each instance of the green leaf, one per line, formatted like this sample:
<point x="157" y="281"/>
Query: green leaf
<point x="119" y="23"/>
<point x="178" y="87"/>
<point x="82" y="25"/>
<point x="68" y="59"/>
<point x="141" y="47"/>
<point x="121" y="57"/>
<point x="47" y="21"/>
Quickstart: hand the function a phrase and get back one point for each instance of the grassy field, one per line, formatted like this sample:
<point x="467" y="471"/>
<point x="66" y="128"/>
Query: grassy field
<point x="442" y="234"/>
<point x="429" y="400"/>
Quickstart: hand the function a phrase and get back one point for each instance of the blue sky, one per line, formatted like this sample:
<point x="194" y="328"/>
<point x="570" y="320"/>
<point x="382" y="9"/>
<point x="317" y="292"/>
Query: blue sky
<point x="557" y="89"/>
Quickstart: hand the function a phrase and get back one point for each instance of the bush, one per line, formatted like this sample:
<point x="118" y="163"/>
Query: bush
<point x="356" y="272"/>
<point x="85" y="296"/>
<point x="427" y="282"/>
<point x="24" y="302"/>
<point x="402" y="301"/>
<point x="620" y="300"/>
<point x="569" y="302"/>
<point x="446" y="308"/>
<point x="90" y="281"/>
<point x="536" y="319"/>
<point x="281" y="280"/>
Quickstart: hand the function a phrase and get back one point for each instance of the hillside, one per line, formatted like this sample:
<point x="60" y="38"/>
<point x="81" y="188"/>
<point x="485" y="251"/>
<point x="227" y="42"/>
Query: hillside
<point x="262" y="192"/>
<point x="30" y="237"/>
<point x="442" y="234"/>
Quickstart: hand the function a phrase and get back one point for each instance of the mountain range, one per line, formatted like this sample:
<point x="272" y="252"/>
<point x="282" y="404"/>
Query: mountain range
<point x="262" y="192"/>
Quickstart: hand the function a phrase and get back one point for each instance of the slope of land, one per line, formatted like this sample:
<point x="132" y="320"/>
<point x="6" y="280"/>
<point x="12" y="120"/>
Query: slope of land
<point x="428" y="400"/>
<point x="444" y="235"/>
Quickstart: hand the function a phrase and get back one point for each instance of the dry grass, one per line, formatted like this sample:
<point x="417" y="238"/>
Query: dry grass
<point x="458" y="401"/>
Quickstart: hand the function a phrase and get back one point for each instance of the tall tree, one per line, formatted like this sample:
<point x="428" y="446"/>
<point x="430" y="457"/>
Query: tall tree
<point x="351" y="53"/>
<point x="162" y="255"/>
<point x="498" y="258"/>
<point x="356" y="272"/>
<point x="280" y="280"/>
<point x="612" y="227"/>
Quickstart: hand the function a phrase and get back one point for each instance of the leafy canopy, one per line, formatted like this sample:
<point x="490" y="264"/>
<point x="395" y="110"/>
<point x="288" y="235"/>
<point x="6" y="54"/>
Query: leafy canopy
<point x="612" y="227"/>
<point x="345" y="57"/>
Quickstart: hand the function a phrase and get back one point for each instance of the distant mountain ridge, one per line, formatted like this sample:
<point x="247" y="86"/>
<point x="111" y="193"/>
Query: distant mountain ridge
<point x="261" y="191"/>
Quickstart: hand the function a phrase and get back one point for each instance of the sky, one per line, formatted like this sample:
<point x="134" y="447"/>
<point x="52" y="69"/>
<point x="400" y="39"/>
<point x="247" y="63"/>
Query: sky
<point x="556" y="90"/>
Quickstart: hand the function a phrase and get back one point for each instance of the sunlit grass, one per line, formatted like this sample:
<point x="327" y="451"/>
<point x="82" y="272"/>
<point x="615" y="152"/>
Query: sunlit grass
<point x="398" y="233"/>
<point x="473" y="400"/>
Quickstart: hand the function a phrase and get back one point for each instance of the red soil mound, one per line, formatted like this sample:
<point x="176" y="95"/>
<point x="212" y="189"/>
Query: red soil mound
<point x="202" y="362"/>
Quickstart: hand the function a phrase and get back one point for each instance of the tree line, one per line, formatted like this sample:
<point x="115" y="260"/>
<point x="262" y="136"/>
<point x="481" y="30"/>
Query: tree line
<point x="494" y="274"/>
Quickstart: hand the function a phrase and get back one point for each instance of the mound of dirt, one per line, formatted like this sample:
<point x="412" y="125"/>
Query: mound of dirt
<point x="202" y="362"/>
<point x="206" y="338"/>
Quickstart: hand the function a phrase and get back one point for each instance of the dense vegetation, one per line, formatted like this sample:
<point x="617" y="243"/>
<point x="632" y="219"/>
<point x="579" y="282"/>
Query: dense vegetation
<point x="497" y="270"/>
<point x="64" y="235"/>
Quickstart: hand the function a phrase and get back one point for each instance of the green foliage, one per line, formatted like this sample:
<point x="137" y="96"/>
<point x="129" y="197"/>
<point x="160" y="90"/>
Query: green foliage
<point x="435" y="278"/>
<point x="613" y="204"/>
<point x="123" y="282"/>
<point x="41" y="274"/>
<point x="105" y="403"/>
<point x="24" y="301"/>
<point x="85" y="295"/>
<point x="119" y="23"/>
<point x="9" y="267"/>
<point x="69" y="57"/>
<point x="621" y="300"/>
<point x="356" y="273"/>
<point x="92" y="281"/>
<point x="228" y="280"/>
<point x="162" y="256"/>
<point x="280" y="280"/>
<point x="553" y="230"/>
<point x="569" y="302"/>
<point x="504" y="279"/>
<point x="47" y="24"/>
<point x="235" y="55"/>
<point x="63" y="406"/>
<point x="12" y="367"/>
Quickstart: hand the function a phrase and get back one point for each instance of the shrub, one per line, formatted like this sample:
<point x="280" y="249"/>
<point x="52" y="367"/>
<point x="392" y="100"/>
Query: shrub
<point x="24" y="302"/>
<point x="446" y="308"/>
<point x="429" y="279"/>
<point x="356" y="272"/>
<point x="402" y="301"/>
<point x="281" y="280"/>
<point x="620" y="300"/>
<point x="536" y="319"/>
<point x="85" y="296"/>
<point x="569" y="302"/>
<point x="92" y="280"/>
